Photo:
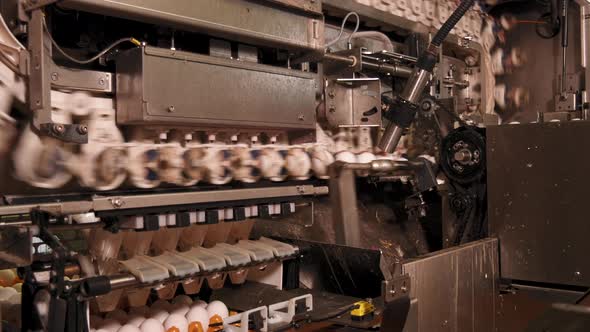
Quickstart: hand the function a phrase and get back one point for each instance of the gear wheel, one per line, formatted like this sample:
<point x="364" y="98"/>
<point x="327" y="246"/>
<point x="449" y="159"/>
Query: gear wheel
<point x="463" y="155"/>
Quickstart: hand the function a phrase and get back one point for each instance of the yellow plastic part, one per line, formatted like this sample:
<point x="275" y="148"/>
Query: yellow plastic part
<point x="364" y="308"/>
<point x="135" y="41"/>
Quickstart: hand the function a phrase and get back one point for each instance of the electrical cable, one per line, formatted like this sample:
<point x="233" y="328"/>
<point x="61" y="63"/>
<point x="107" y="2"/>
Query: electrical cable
<point x="94" y="58"/>
<point x="446" y="28"/>
<point x="356" y="28"/>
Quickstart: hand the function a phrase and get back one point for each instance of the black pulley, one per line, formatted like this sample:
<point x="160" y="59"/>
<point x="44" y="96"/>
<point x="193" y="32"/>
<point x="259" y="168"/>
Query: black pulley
<point x="463" y="154"/>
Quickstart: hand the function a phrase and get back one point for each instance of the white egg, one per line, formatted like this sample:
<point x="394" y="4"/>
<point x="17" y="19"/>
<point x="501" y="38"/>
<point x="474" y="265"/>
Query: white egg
<point x="141" y="310"/>
<point x="129" y="328"/>
<point x="199" y="303"/>
<point x="95" y="321"/>
<point x="365" y="157"/>
<point x="18" y="287"/>
<point x="135" y="319"/>
<point x="198" y="314"/>
<point x="110" y="325"/>
<point x="118" y="315"/>
<point x="15" y="298"/>
<point x="159" y="314"/>
<point x="346" y="156"/>
<point x="182" y="299"/>
<point x="179" y="309"/>
<point x="152" y="325"/>
<point x="161" y="304"/>
<point x="177" y="321"/>
<point x="6" y="293"/>
<point x="217" y="308"/>
<point x="7" y="277"/>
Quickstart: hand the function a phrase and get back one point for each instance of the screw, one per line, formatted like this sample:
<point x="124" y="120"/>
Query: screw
<point x="83" y="129"/>
<point x="426" y="105"/>
<point x="332" y="108"/>
<point x="301" y="117"/>
<point x="171" y="108"/>
<point x="101" y="81"/>
<point x="332" y="94"/>
<point x="117" y="202"/>
<point x="58" y="129"/>
<point x="54" y="76"/>
<point x="301" y="190"/>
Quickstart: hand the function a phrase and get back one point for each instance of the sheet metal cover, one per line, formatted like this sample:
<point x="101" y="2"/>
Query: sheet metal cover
<point x="538" y="200"/>
<point x="171" y="87"/>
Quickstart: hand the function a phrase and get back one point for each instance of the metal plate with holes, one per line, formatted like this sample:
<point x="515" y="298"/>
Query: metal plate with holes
<point x="456" y="288"/>
<point x="354" y="102"/>
<point x="253" y="22"/>
<point x="537" y="199"/>
<point x="397" y="287"/>
<point x="160" y="86"/>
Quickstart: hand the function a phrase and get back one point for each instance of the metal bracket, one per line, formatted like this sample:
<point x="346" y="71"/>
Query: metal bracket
<point x="396" y="288"/>
<point x="85" y="80"/>
<point x="40" y="87"/>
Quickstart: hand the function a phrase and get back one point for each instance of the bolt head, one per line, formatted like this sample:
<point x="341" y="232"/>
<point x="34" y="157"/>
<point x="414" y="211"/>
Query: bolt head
<point x="58" y="129"/>
<point x="83" y="129"/>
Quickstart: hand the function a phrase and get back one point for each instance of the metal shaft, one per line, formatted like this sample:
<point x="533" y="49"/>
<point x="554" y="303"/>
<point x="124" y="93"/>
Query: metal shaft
<point x="564" y="43"/>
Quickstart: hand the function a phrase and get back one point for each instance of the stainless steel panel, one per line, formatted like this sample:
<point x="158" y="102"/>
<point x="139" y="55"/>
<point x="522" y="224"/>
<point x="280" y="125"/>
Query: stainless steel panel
<point x="538" y="200"/>
<point x="163" y="86"/>
<point x="246" y="21"/>
<point x="455" y="288"/>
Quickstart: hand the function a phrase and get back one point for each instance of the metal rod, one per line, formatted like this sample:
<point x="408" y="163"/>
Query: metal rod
<point x="564" y="43"/>
<point x="395" y="70"/>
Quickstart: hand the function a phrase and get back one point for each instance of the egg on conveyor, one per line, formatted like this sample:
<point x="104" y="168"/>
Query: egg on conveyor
<point x="7" y="277"/>
<point x="129" y="328"/>
<point x="199" y="303"/>
<point x="179" y="309"/>
<point x="198" y="314"/>
<point x="110" y="325"/>
<point x="15" y="298"/>
<point x="18" y="287"/>
<point x="135" y="319"/>
<point x="217" y="308"/>
<point x="159" y="314"/>
<point x="6" y="293"/>
<point x="151" y="325"/>
<point x="176" y="321"/>
<point x="182" y="299"/>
